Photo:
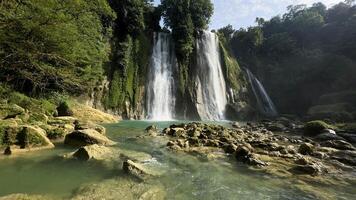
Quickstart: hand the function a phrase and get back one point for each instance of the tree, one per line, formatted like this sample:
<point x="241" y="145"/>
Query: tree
<point x="227" y="31"/>
<point x="47" y="44"/>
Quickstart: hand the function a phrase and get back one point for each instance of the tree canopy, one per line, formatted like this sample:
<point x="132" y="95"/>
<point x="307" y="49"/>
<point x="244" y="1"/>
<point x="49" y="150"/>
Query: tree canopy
<point x="301" y="55"/>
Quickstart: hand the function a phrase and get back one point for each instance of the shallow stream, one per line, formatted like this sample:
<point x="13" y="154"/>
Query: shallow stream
<point x="187" y="176"/>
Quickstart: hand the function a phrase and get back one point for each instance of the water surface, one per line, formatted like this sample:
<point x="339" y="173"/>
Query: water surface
<point x="186" y="177"/>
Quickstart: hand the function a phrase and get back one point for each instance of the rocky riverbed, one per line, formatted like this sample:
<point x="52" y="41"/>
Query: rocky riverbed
<point x="271" y="147"/>
<point x="269" y="159"/>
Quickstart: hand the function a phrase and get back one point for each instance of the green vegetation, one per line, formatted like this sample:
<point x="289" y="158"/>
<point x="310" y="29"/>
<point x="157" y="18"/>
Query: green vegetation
<point x="231" y="68"/>
<point x="302" y="55"/>
<point x="185" y="18"/>
<point x="63" y="109"/>
<point x="316" y="127"/>
<point x="56" y="133"/>
<point x="54" y="45"/>
<point x="130" y="56"/>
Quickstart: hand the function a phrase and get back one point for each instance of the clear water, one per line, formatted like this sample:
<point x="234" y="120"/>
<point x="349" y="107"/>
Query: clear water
<point x="186" y="177"/>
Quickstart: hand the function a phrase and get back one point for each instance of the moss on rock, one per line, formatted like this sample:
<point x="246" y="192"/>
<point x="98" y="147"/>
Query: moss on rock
<point x="316" y="127"/>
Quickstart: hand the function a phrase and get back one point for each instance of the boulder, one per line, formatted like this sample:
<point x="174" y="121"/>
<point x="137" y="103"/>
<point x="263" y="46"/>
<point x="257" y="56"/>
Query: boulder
<point x="306" y="149"/>
<point x="94" y="152"/>
<point x="86" y="137"/>
<point x="350" y="137"/>
<point x="309" y="169"/>
<point x="244" y="154"/>
<point x="276" y="127"/>
<point x="338" y="144"/>
<point x="230" y="148"/>
<point x="33" y="136"/>
<point x="347" y="157"/>
<point x="151" y="128"/>
<point x="81" y="125"/>
<point x="137" y="170"/>
<point x="315" y="127"/>
<point x="328" y="134"/>
<point x="8" y="111"/>
<point x="7" y="151"/>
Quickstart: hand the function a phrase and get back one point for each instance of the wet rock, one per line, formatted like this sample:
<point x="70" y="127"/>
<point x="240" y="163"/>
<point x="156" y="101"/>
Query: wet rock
<point x="350" y="137"/>
<point x="86" y="137"/>
<point x="94" y="152"/>
<point x="242" y="153"/>
<point x="24" y="197"/>
<point x="135" y="156"/>
<point x="80" y="125"/>
<point x="166" y="131"/>
<point x="303" y="161"/>
<point x="8" y="151"/>
<point x="306" y="149"/>
<point x="177" y="132"/>
<point x="338" y="144"/>
<point x="137" y="170"/>
<point x="315" y="127"/>
<point x="328" y="134"/>
<point x="347" y="157"/>
<point x="276" y="127"/>
<point x="230" y="148"/>
<point x="152" y="128"/>
<point x="310" y="169"/>
<point x="120" y="188"/>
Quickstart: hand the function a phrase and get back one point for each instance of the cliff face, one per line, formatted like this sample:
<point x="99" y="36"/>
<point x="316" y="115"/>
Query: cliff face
<point x="124" y="93"/>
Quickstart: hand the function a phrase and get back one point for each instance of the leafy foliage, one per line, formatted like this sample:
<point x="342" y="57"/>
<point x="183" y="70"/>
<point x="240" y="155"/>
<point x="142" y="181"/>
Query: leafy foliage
<point x="54" y="45"/>
<point x="185" y="18"/>
<point x="302" y="55"/>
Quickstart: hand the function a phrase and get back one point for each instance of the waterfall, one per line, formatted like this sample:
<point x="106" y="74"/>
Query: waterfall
<point x="210" y="83"/>
<point x="265" y="104"/>
<point x="160" y="92"/>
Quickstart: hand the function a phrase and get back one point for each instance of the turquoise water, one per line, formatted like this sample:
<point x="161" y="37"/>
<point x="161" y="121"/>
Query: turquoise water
<point x="186" y="176"/>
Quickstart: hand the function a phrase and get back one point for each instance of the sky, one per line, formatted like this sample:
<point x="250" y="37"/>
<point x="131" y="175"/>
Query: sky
<point x="243" y="13"/>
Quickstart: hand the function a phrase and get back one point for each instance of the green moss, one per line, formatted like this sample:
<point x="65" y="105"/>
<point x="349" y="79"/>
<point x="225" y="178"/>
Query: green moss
<point x="29" y="136"/>
<point x="232" y="70"/>
<point x="56" y="133"/>
<point x="63" y="109"/>
<point x="126" y="81"/>
<point x="316" y="127"/>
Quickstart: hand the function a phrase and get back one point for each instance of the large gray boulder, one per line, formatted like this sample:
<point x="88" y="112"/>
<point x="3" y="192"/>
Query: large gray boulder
<point x="87" y="137"/>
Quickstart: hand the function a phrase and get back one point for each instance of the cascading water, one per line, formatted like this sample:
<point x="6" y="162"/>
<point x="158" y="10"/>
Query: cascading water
<point x="160" y="91"/>
<point x="210" y="82"/>
<point x="265" y="104"/>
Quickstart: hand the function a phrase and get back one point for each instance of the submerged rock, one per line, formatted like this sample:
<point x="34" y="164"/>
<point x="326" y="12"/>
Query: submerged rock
<point x="120" y="188"/>
<point x="86" y="137"/>
<point x="24" y="197"/>
<point x="137" y="170"/>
